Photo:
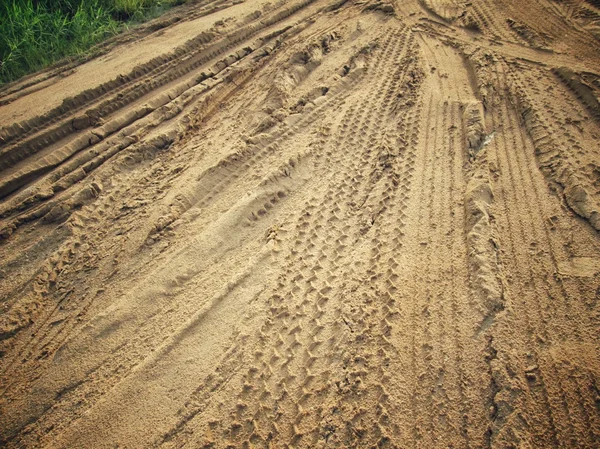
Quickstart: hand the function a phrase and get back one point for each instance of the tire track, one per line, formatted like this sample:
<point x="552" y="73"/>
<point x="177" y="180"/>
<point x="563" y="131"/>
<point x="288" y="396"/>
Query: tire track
<point x="528" y="161"/>
<point x="58" y="147"/>
<point x="551" y="394"/>
<point x="277" y="362"/>
<point x="533" y="324"/>
<point x="152" y="121"/>
<point x="438" y="382"/>
<point x="352" y="235"/>
<point x="309" y="118"/>
<point x="193" y="53"/>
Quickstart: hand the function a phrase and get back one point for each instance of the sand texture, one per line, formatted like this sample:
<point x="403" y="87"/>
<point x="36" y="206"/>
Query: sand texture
<point x="308" y="224"/>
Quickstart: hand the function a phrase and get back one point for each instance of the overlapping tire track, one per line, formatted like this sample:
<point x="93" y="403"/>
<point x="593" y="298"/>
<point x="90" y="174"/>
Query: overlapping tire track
<point x="352" y="231"/>
<point x="287" y="385"/>
<point x="158" y="76"/>
<point x="526" y="233"/>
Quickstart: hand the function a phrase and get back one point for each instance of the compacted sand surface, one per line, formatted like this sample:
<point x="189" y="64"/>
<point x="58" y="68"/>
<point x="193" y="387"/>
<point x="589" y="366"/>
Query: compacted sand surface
<point x="308" y="224"/>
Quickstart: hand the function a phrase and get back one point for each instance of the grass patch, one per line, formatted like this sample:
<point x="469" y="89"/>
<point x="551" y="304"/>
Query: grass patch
<point x="37" y="33"/>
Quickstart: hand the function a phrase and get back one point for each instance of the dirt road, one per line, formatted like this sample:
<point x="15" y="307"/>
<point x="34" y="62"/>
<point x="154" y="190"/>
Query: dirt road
<point x="308" y="224"/>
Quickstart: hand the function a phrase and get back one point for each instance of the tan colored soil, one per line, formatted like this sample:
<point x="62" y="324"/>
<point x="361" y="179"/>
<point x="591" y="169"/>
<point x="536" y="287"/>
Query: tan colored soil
<point x="308" y="224"/>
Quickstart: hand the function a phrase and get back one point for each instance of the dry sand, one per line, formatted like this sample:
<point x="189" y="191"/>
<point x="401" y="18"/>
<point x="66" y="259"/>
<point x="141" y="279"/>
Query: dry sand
<point x="308" y="224"/>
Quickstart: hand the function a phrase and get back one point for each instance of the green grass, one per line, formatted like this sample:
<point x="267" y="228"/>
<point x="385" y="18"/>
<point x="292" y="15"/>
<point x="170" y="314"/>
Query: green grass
<point x="37" y="33"/>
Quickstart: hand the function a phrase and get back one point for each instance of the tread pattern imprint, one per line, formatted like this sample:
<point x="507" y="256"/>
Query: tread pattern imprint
<point x="308" y="224"/>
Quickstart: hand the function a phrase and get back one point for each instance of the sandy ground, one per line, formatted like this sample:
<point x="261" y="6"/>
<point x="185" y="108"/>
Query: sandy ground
<point x="308" y="224"/>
